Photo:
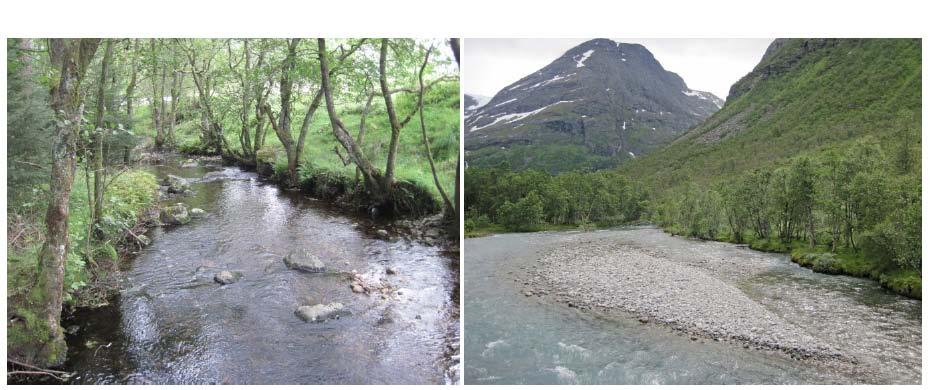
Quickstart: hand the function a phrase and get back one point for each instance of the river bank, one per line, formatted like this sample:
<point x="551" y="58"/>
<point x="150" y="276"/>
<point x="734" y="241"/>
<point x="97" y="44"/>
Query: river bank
<point x="843" y="262"/>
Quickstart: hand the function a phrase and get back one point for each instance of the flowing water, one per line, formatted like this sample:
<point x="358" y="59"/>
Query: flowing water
<point x="512" y="338"/>
<point x="172" y="324"/>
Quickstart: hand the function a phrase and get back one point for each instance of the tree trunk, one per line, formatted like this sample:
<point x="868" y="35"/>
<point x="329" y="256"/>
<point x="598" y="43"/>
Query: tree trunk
<point x="317" y="99"/>
<point x="392" y="115"/>
<point x="99" y="138"/>
<point x="162" y="106"/>
<point x="131" y="87"/>
<point x="156" y="115"/>
<point x="72" y="57"/>
<point x="360" y="138"/>
<point x="373" y="184"/>
<point x="283" y="128"/>
<point x="450" y="209"/>
<point x="454" y="42"/>
<point x="177" y="81"/>
<point x="260" y="94"/>
<point x="244" y="138"/>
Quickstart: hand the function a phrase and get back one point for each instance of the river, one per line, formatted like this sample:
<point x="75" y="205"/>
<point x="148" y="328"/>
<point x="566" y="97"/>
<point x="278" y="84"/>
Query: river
<point x="512" y="338"/>
<point x="172" y="324"/>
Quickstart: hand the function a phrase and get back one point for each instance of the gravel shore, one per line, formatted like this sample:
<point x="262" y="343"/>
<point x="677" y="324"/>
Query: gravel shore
<point x="605" y="275"/>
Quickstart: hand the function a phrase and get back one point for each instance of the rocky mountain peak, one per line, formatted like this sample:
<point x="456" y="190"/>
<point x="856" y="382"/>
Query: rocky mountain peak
<point x="607" y="100"/>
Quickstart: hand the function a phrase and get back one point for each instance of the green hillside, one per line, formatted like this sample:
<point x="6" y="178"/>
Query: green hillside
<point x="802" y="97"/>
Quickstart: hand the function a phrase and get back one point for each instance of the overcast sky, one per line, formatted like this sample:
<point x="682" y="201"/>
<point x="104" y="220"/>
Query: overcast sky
<point x="711" y="65"/>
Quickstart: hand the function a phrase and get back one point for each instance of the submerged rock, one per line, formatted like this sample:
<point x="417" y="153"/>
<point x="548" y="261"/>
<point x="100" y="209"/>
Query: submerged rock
<point x="319" y="313"/>
<point x="197" y="213"/>
<point x="227" y="277"/>
<point x="381" y="233"/>
<point x="176" y="184"/>
<point x="304" y="260"/>
<point x="391" y="271"/>
<point x="174" y="215"/>
<point x="189" y="163"/>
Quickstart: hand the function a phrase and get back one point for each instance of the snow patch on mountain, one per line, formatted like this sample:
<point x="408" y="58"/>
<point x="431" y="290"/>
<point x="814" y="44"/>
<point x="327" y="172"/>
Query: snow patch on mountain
<point x="552" y="80"/>
<point x="584" y="57"/>
<point x="510" y="118"/>
<point x="704" y="96"/>
<point x="501" y="104"/>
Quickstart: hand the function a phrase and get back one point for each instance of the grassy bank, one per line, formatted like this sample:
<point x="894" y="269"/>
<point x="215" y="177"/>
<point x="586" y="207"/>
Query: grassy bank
<point x="842" y="262"/>
<point x="341" y="187"/>
<point x="90" y="269"/>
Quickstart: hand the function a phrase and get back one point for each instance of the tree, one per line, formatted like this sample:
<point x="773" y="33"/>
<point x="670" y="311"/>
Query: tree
<point x="373" y="183"/>
<point x="131" y="87"/>
<point x="201" y="71"/>
<point x="99" y="134"/>
<point x="29" y="127"/>
<point x="525" y="214"/>
<point x="803" y="177"/>
<point x="71" y="57"/>
<point x="396" y="123"/>
<point x="283" y="126"/>
<point x="450" y="209"/>
<point x="454" y="43"/>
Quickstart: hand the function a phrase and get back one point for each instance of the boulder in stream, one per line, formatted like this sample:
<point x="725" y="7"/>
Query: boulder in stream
<point x="227" y="277"/>
<point x="197" y="213"/>
<point x="174" y="215"/>
<point x="319" y="313"/>
<point x="176" y="184"/>
<point x="304" y="260"/>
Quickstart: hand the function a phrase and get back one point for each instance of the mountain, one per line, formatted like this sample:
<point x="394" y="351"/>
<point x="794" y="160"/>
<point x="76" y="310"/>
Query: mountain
<point x="804" y="96"/>
<point x="600" y="103"/>
<point x="473" y="102"/>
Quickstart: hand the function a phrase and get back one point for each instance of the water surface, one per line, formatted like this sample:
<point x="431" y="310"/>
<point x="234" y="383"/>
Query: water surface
<point x="172" y="324"/>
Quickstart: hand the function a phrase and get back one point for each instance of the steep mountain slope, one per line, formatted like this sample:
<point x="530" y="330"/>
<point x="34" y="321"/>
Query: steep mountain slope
<point x="600" y="103"/>
<point x="804" y="95"/>
<point x="473" y="102"/>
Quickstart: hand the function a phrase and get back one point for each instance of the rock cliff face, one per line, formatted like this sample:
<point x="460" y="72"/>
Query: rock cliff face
<point x="598" y="104"/>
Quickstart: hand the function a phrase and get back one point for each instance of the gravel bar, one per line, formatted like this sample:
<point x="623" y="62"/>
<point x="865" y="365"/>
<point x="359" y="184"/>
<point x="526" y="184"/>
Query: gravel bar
<point x="599" y="274"/>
